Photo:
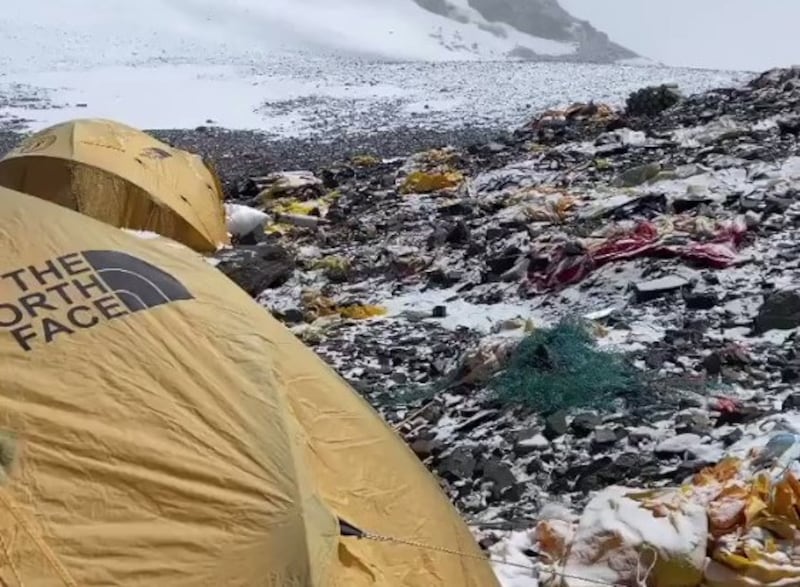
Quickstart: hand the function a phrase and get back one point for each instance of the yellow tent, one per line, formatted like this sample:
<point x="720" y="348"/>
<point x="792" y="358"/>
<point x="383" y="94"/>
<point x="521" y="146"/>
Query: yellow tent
<point x="159" y="428"/>
<point x="123" y="177"/>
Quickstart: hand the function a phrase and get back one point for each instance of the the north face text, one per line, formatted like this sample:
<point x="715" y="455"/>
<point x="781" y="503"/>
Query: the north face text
<point x="59" y="296"/>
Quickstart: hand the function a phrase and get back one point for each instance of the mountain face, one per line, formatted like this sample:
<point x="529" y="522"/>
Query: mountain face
<point x="44" y="35"/>
<point x="543" y="19"/>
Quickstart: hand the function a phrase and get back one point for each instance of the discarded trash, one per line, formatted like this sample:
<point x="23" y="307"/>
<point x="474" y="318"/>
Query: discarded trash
<point x="733" y="524"/>
<point x="244" y="220"/>
<point x="565" y="267"/>
<point x="421" y="182"/>
<point x="295" y="184"/>
<point x="625" y="537"/>
<point x="558" y="368"/>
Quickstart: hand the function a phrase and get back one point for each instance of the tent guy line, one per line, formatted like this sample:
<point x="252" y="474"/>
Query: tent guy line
<point x="348" y="529"/>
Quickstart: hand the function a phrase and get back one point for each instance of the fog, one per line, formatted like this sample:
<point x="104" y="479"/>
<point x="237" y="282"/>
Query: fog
<point x="726" y="34"/>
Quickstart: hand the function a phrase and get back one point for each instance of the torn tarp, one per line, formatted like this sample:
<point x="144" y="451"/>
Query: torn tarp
<point x="569" y="264"/>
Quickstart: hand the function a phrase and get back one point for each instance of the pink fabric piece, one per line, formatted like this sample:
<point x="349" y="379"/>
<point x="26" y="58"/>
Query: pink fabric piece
<point x="644" y="240"/>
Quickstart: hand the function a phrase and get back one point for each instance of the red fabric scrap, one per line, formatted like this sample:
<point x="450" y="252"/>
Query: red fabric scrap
<point x="726" y="405"/>
<point x="644" y="240"/>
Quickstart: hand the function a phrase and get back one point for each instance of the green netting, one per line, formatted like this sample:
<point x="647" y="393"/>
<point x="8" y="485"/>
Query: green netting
<point x="560" y="367"/>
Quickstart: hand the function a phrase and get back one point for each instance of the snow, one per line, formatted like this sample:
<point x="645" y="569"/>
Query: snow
<point x="142" y="234"/>
<point x="285" y="67"/>
<point x="460" y="313"/>
<point x="398" y="29"/>
<point x="510" y="550"/>
<point x="679" y="444"/>
<point x="614" y="529"/>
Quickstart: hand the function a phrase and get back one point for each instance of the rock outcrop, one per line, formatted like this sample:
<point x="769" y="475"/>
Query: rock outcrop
<point x="543" y="19"/>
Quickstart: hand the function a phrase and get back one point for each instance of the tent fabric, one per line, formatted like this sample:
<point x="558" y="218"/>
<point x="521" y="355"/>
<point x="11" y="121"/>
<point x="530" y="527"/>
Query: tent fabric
<point x="158" y="427"/>
<point x="122" y="176"/>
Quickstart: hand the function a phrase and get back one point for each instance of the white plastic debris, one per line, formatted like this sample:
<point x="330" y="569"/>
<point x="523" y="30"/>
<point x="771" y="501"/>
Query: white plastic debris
<point x="243" y="220"/>
<point x="623" y="531"/>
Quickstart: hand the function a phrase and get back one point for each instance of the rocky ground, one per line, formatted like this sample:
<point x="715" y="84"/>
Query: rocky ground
<point x="670" y="228"/>
<point x="673" y="234"/>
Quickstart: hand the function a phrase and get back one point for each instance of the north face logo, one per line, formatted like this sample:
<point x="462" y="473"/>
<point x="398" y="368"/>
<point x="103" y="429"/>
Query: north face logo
<point x="60" y="296"/>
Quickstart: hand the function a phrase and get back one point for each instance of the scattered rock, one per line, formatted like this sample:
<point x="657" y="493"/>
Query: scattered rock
<point x="490" y="229"/>
<point x="528" y="445"/>
<point x="732" y="437"/>
<point x="780" y="311"/>
<point x="256" y="268"/>
<point x="649" y="290"/>
<point x="426" y="448"/>
<point x="697" y="423"/>
<point x="603" y="438"/>
<point x="501" y="476"/>
<point x="700" y="300"/>
<point x="555" y="425"/>
<point x="638" y="175"/>
<point x="584" y="424"/>
<point x="652" y="100"/>
<point x="460" y="464"/>
<point x="791" y="403"/>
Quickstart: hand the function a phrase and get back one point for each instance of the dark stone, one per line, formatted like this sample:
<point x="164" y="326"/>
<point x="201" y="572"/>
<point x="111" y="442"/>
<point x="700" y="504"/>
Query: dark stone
<point x="398" y="377"/>
<point x="458" y="234"/>
<point x="792" y="402"/>
<point x="438" y="237"/>
<point x="444" y="278"/>
<point x="488" y="541"/>
<point x="535" y="466"/>
<point x="732" y="437"/>
<point x="601" y="472"/>
<point x="521" y="448"/>
<point x="555" y="425"/>
<point x="476" y="420"/>
<point x="584" y="424"/>
<point x="780" y="311"/>
<point x="439" y="311"/>
<point x="701" y="300"/>
<point x="650" y="290"/>
<point x="329" y="179"/>
<point x="460" y="208"/>
<point x="293" y="316"/>
<point x="637" y="175"/>
<point x="697" y="423"/>
<point x="713" y="363"/>
<point x="254" y="237"/>
<point x="789" y="374"/>
<point x="259" y="267"/>
<point x="686" y="469"/>
<point x="611" y="149"/>
<point x="513" y="493"/>
<point x="460" y="464"/>
<point x="501" y="477"/>
<point x="603" y="439"/>
<point x="789" y="126"/>
<point x="505" y="261"/>
<point x="741" y="415"/>
<point x="432" y="413"/>
<point x="425" y="448"/>
<point x="652" y="100"/>
<point x="655" y="358"/>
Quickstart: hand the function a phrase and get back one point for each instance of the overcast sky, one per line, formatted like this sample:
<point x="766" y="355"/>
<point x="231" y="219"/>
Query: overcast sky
<point x="725" y="34"/>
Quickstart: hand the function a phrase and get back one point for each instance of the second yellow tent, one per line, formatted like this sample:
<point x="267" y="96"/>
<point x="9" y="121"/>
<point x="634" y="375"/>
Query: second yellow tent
<point x="123" y="177"/>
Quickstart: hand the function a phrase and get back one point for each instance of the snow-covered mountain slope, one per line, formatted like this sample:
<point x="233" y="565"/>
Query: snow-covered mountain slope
<point x="81" y="31"/>
<point x="529" y="23"/>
